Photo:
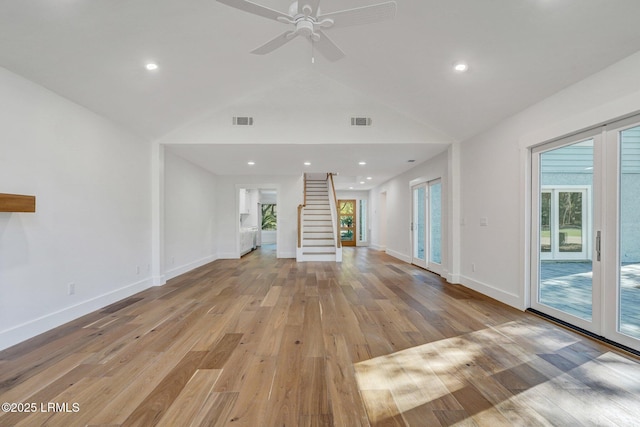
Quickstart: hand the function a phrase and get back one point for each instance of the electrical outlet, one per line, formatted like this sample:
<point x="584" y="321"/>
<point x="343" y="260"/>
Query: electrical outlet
<point x="71" y="288"/>
<point x="137" y="269"/>
<point x="473" y="266"/>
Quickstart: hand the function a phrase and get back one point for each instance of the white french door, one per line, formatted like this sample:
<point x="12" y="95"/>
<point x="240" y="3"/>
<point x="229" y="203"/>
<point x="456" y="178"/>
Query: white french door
<point x="426" y="225"/>
<point x="585" y="245"/>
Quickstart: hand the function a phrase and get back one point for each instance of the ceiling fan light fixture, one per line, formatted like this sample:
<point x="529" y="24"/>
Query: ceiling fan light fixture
<point x="309" y="21"/>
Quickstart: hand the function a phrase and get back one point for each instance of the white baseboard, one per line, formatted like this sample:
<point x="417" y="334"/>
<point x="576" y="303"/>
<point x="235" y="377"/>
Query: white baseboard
<point x="399" y="255"/>
<point x="285" y="254"/>
<point x="228" y="255"/>
<point x="175" y="272"/>
<point x="378" y="247"/>
<point x="508" y="298"/>
<point x="453" y="278"/>
<point x="49" y="321"/>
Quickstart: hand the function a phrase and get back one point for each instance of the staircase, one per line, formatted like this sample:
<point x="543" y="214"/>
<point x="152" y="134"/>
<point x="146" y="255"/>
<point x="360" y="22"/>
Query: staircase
<point x="318" y="241"/>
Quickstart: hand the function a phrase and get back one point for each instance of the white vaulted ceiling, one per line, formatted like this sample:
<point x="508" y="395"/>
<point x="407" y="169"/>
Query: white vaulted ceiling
<point x="93" y="52"/>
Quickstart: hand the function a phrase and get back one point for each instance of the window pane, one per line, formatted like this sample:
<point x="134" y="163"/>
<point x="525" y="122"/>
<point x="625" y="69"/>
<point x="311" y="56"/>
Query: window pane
<point x="363" y="221"/>
<point x="419" y="219"/>
<point x="566" y="276"/>
<point x="435" y="222"/>
<point x="570" y="221"/>
<point x="629" y="289"/>
<point x="545" y="222"/>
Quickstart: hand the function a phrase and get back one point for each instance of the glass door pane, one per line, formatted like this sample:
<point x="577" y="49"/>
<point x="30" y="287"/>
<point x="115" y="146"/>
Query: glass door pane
<point x="362" y="218"/>
<point x="565" y="277"/>
<point x="629" y="226"/>
<point x="545" y="224"/>
<point x="418" y="225"/>
<point x="435" y="222"/>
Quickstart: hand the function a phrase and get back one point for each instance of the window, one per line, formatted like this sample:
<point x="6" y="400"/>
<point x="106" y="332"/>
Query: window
<point x="269" y="217"/>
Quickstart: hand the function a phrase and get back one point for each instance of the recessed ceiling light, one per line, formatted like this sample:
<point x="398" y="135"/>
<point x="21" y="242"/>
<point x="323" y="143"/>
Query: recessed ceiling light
<point x="361" y="182"/>
<point x="307" y="163"/>
<point x="362" y="163"/>
<point x="251" y="163"/>
<point x="369" y="178"/>
<point x="350" y="188"/>
<point x="151" y="66"/>
<point x="461" y="67"/>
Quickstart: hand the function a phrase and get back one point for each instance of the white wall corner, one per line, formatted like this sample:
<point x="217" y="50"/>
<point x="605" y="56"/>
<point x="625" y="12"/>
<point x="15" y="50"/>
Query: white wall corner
<point x="157" y="213"/>
<point x="177" y="271"/>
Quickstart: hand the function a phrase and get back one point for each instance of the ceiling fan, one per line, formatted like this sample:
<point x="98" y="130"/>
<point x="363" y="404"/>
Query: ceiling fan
<point x="309" y="22"/>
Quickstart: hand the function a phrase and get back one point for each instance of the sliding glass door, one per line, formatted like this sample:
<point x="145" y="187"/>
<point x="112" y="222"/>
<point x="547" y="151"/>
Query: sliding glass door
<point x="586" y="231"/>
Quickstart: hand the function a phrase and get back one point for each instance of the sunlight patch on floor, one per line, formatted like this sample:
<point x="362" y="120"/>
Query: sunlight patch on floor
<point x="413" y="377"/>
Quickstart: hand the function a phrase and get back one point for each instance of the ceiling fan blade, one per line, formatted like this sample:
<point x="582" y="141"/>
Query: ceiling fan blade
<point x="256" y="9"/>
<point x="361" y="15"/>
<point x="272" y="45"/>
<point x="313" y="4"/>
<point x="327" y="47"/>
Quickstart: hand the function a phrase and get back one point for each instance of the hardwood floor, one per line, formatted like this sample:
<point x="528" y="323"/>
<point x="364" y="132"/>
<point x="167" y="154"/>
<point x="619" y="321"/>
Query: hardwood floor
<point x="262" y="341"/>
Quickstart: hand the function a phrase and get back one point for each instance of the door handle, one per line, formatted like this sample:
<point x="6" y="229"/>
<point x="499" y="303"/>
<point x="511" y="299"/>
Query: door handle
<point x="598" y="245"/>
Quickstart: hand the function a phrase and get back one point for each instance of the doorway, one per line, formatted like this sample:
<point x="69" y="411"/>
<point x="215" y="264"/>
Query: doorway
<point x="347" y="221"/>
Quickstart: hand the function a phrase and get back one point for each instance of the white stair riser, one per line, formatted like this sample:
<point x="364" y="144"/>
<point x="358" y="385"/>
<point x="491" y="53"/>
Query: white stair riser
<point x="316" y="223"/>
<point x="311" y="258"/>
<point x="317" y="241"/>
<point x="318" y="249"/>
<point x="322" y="235"/>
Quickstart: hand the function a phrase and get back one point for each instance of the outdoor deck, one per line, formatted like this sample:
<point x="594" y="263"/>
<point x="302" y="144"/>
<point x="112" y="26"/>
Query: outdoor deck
<point x="567" y="286"/>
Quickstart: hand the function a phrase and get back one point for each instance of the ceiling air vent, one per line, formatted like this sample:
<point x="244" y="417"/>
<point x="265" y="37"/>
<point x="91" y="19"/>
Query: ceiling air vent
<point x="360" y="121"/>
<point x="243" y="121"/>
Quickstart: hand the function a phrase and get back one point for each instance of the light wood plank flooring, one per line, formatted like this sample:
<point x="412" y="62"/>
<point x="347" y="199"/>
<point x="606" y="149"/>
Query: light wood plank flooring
<point x="266" y="342"/>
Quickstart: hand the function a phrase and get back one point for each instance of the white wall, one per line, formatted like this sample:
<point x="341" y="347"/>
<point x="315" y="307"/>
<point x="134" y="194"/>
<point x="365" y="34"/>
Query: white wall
<point x="397" y="193"/>
<point x="190" y="216"/>
<point x="92" y="225"/>
<point x="494" y="176"/>
<point x="290" y="195"/>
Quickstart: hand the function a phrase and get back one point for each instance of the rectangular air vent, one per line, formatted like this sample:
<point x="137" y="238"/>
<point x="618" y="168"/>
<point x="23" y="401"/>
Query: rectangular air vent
<point x="243" y="121"/>
<point x="360" y="121"/>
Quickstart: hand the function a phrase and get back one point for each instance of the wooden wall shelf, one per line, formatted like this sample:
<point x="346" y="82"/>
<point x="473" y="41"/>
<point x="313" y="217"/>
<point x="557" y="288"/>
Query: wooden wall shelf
<point x="17" y="203"/>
